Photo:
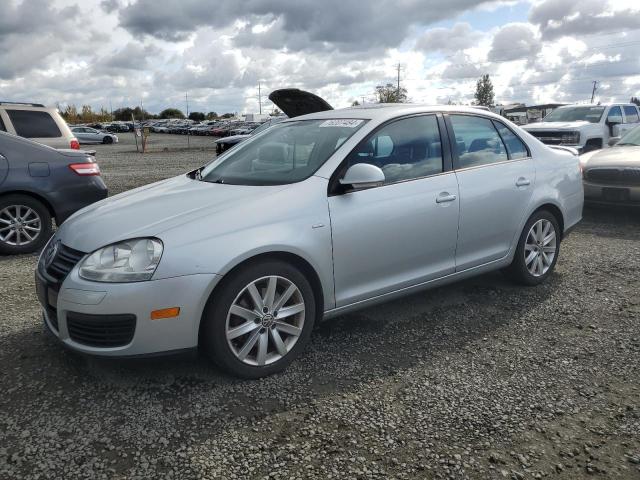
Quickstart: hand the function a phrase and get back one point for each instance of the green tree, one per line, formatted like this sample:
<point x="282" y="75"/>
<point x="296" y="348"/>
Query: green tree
<point x="275" y="112"/>
<point x="212" y="116"/>
<point x="484" y="92"/>
<point x="390" y="93"/>
<point x="70" y="114"/>
<point x="355" y="103"/>
<point x="197" y="116"/>
<point x="171" y="113"/>
<point x="228" y="115"/>
<point x="635" y="100"/>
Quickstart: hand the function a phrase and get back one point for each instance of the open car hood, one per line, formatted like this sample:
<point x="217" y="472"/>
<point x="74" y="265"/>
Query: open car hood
<point x="294" y="102"/>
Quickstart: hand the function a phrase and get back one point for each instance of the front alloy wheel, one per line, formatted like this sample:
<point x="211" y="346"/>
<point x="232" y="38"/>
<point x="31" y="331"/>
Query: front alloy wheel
<point x="259" y="318"/>
<point x="265" y="321"/>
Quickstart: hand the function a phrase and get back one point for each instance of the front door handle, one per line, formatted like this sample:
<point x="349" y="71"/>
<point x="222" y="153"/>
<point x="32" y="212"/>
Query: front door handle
<point x="445" y="197"/>
<point x="523" y="182"/>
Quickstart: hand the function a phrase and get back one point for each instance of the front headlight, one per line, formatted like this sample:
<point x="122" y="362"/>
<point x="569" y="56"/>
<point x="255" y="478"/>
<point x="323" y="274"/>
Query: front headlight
<point x="130" y="261"/>
<point x="570" y="138"/>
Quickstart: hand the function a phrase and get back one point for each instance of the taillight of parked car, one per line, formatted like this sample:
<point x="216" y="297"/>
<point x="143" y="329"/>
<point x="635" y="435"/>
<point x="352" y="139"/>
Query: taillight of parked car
<point x="75" y="144"/>
<point x="85" y="169"/>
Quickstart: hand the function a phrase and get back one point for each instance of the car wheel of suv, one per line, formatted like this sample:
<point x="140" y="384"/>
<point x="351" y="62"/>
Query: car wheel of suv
<point x="537" y="251"/>
<point x="25" y="224"/>
<point x="107" y="140"/>
<point x="259" y="320"/>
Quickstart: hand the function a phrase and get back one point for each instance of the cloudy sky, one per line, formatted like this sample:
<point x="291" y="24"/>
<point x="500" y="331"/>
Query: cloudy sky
<point x="123" y="52"/>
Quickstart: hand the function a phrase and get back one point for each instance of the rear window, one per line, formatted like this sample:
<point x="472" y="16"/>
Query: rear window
<point x="33" y="124"/>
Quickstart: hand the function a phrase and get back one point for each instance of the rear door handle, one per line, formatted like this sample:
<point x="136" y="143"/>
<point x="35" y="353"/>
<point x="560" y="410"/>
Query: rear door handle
<point x="445" y="197"/>
<point x="523" y="182"/>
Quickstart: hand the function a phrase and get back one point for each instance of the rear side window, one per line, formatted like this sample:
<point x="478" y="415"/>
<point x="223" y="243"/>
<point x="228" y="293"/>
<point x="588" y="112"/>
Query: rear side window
<point x="2" y="127"/>
<point x="32" y="124"/>
<point x="515" y="148"/>
<point x="631" y="113"/>
<point x="477" y="141"/>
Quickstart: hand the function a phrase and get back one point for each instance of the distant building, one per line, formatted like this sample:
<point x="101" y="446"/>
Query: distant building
<point x="522" y="115"/>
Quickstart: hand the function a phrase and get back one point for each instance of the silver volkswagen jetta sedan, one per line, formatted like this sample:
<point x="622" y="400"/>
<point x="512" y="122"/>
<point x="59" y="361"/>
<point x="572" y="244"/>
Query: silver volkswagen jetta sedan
<point x="316" y="216"/>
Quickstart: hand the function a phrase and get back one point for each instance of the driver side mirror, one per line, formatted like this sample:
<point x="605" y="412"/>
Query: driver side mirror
<point x="363" y="175"/>
<point x="613" y="141"/>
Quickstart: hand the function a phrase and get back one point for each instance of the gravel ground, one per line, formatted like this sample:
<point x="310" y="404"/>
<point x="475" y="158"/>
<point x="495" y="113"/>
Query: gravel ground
<point x="480" y="379"/>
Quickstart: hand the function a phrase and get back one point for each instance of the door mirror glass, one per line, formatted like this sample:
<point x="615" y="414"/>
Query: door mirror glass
<point x="363" y="175"/>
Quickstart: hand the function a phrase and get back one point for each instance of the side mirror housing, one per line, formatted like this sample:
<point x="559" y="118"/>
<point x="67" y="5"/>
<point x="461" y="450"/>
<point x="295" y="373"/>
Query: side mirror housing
<point x="613" y="141"/>
<point x="363" y="175"/>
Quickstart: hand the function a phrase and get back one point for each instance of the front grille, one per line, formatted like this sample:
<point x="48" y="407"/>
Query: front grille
<point x="101" y="330"/>
<point x="618" y="176"/>
<point x="63" y="262"/>
<point x="548" y="137"/>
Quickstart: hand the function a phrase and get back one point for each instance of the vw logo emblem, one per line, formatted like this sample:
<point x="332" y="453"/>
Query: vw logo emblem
<point x="51" y="252"/>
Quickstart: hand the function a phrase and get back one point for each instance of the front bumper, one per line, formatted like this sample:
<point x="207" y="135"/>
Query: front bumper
<point x="81" y="299"/>
<point x="611" y="194"/>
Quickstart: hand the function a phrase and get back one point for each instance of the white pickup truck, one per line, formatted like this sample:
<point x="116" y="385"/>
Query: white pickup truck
<point x="586" y="127"/>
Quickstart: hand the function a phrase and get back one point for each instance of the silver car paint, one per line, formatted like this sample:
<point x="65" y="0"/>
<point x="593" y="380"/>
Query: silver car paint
<point x="208" y="229"/>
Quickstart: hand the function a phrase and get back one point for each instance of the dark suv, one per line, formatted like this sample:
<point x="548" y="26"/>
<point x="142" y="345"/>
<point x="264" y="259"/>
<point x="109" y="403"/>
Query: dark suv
<point x="38" y="183"/>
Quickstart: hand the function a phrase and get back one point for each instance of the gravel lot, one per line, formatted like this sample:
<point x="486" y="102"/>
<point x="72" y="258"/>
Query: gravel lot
<point x="480" y="379"/>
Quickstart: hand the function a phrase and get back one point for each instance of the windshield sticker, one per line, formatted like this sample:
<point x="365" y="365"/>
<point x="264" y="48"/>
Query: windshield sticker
<point x="349" y="123"/>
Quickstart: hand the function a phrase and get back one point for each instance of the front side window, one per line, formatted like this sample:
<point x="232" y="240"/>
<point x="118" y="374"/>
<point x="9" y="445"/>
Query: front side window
<point x="2" y="127"/>
<point x="405" y="149"/>
<point x="631" y="113"/>
<point x="286" y="153"/>
<point x="515" y="147"/>
<point x="477" y="141"/>
<point x="34" y="124"/>
<point x="615" y="115"/>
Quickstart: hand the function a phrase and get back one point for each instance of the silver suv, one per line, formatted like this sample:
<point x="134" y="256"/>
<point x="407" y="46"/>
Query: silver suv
<point x="37" y="122"/>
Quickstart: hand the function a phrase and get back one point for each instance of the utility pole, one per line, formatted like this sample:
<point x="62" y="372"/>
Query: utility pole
<point x="593" y="92"/>
<point x="186" y="99"/>
<point x="362" y="99"/>
<point x="259" y="99"/>
<point x="111" y="109"/>
<point x="142" y="110"/>
<point x="398" y="91"/>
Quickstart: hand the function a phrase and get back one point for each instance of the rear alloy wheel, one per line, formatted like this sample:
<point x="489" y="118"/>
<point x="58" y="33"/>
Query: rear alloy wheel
<point x="537" y="250"/>
<point x="25" y="224"/>
<point x="107" y="139"/>
<point x="260" y="319"/>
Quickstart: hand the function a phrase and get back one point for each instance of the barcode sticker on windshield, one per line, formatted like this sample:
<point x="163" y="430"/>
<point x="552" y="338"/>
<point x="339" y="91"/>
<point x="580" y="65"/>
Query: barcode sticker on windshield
<point x="349" y="123"/>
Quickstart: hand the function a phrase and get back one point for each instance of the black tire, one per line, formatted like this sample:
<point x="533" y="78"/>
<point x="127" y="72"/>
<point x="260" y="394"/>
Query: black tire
<point x="518" y="270"/>
<point x="214" y="320"/>
<point x="107" y="140"/>
<point x="45" y="224"/>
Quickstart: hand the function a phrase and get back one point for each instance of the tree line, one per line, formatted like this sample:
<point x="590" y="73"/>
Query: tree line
<point x="87" y="115"/>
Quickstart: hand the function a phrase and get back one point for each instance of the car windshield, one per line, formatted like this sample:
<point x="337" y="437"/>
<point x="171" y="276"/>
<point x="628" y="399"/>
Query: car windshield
<point x="632" y="138"/>
<point x="286" y="153"/>
<point x="573" y="114"/>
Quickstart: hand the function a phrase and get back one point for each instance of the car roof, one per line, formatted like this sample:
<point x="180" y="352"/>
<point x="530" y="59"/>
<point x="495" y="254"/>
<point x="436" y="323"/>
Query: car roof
<point x="386" y="111"/>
